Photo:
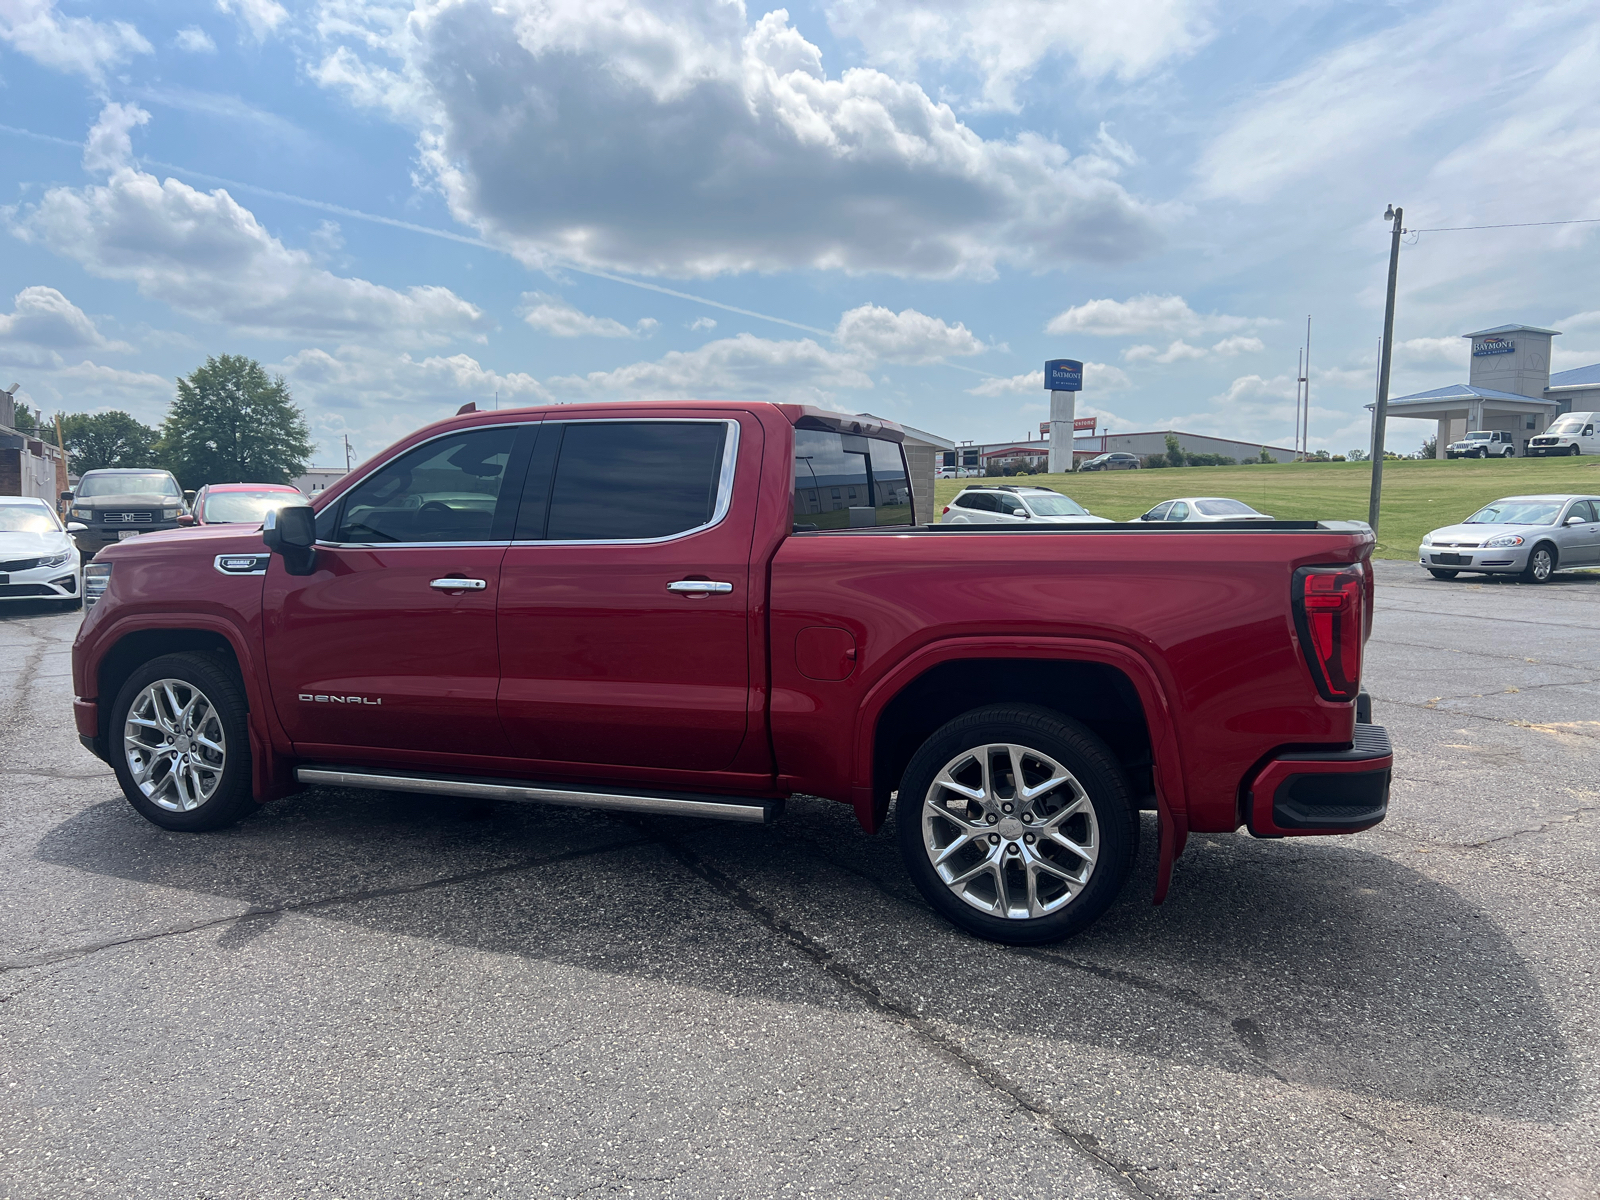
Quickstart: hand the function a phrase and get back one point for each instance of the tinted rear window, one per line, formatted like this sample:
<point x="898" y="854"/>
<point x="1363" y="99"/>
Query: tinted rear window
<point x="845" y="481"/>
<point x="630" y="480"/>
<point x="1224" y="508"/>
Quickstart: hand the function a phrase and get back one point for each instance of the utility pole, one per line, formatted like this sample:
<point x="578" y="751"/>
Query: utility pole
<point x="1299" y="379"/>
<point x="347" y="454"/>
<point x="1305" y="425"/>
<point x="1380" y="410"/>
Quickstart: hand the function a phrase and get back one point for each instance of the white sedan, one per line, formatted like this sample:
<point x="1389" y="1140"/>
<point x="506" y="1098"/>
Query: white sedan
<point x="38" y="558"/>
<point x="1204" y="508"/>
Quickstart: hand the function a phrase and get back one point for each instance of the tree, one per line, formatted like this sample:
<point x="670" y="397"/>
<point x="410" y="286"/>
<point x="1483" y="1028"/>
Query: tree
<point x="1357" y="456"/>
<point x="108" y="439"/>
<point x="25" y="420"/>
<point x="1266" y="455"/>
<point x="1174" y="452"/>
<point x="232" y="423"/>
<point x="1430" y="448"/>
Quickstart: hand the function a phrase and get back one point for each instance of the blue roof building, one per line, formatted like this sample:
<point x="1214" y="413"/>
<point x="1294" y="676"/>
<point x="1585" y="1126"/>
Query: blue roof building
<point x="1510" y="388"/>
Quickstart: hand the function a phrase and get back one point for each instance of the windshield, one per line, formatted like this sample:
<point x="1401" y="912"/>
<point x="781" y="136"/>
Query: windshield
<point x="156" y="482"/>
<point x="1566" y="425"/>
<point x="1056" y="506"/>
<point x="1480" y="437"/>
<point x="1225" y="508"/>
<point x="27" y="518"/>
<point x="1516" y="512"/>
<point x="249" y="508"/>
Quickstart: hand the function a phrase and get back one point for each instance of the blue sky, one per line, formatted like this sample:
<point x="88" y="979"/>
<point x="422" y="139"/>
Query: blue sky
<point x="402" y="207"/>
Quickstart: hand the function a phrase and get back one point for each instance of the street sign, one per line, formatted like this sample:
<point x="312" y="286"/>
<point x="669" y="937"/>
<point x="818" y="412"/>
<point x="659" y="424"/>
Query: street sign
<point x="1085" y="423"/>
<point x="1063" y="375"/>
<point x="1484" y="347"/>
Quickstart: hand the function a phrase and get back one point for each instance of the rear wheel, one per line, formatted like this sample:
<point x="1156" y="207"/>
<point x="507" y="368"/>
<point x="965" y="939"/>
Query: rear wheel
<point x="1541" y="565"/>
<point x="1015" y="823"/>
<point x="180" y="745"/>
<point x="1438" y="574"/>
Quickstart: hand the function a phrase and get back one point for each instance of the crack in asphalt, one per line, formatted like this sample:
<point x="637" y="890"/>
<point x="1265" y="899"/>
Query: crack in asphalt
<point x="1130" y="1178"/>
<point x="67" y="954"/>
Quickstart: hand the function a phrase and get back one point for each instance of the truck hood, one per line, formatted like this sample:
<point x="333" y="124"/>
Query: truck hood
<point x="136" y="499"/>
<point x="33" y="545"/>
<point x="1478" y="534"/>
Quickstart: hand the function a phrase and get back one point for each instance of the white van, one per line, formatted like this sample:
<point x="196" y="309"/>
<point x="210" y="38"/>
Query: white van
<point x="1570" y="433"/>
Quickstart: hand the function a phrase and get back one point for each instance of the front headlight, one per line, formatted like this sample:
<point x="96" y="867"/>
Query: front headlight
<point x="1505" y="539"/>
<point x="96" y="579"/>
<point x="1427" y="539"/>
<point x="86" y="514"/>
<point x="57" y="560"/>
<point x="171" y="514"/>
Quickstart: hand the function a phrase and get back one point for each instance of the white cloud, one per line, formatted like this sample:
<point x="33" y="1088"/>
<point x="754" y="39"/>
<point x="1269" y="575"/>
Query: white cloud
<point x="1431" y="351"/>
<point x="1175" y="352"/>
<point x="261" y="17"/>
<point x="42" y="317"/>
<point x="881" y="335"/>
<point x="207" y="256"/>
<point x="703" y="323"/>
<point x="1143" y="315"/>
<point x="1230" y="346"/>
<point x="553" y="315"/>
<point x="110" y="142"/>
<point x="1097" y="377"/>
<point x="1005" y="41"/>
<point x="544" y="123"/>
<point x="194" y="40"/>
<point x="77" y="45"/>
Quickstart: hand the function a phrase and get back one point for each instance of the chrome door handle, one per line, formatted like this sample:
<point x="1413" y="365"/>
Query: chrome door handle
<point x="699" y="587"/>
<point x="460" y="585"/>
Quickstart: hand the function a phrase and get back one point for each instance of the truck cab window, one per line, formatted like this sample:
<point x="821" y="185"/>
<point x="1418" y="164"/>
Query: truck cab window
<point x="632" y="480"/>
<point x="446" y="490"/>
<point x="846" y="481"/>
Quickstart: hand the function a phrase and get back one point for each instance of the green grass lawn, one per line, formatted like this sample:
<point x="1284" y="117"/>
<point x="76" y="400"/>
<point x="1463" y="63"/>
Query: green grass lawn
<point x="1417" y="496"/>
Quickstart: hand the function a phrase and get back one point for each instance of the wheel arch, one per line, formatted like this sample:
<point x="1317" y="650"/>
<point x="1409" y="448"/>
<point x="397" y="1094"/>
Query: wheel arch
<point x="1111" y="689"/>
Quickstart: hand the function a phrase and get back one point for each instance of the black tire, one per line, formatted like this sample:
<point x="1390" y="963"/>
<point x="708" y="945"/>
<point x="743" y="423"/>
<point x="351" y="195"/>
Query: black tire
<point x="1105" y="821"/>
<point x="1438" y="574"/>
<point x="1481" y="453"/>
<point x="1537" y="572"/>
<point x="230" y="798"/>
<point x="1574" y="450"/>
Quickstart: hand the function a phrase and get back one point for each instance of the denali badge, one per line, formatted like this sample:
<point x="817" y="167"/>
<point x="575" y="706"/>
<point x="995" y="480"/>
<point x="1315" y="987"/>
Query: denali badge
<point x="310" y="699"/>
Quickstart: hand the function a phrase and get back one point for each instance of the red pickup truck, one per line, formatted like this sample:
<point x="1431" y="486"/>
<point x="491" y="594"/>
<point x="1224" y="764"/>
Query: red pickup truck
<point x="705" y="608"/>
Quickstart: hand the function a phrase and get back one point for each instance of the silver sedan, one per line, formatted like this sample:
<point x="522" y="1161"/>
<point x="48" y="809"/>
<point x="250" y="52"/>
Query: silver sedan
<point x="1204" y="508"/>
<point x="1530" y="536"/>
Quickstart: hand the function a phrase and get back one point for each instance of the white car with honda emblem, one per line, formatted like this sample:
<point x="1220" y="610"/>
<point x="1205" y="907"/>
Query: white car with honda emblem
<point x="1530" y="536"/>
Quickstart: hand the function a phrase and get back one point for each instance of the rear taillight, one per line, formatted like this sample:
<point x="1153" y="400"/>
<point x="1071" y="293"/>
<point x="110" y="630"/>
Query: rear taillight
<point x="946" y="509"/>
<point x="1329" y="604"/>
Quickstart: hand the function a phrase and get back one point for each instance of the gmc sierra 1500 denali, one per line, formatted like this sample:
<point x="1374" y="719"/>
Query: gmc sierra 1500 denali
<point x="704" y="608"/>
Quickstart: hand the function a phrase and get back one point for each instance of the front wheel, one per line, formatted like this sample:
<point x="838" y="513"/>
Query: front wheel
<point x="180" y="744"/>
<point x="1437" y="574"/>
<point x="1015" y="823"/>
<point x="1574" y="450"/>
<point x="1541" y="565"/>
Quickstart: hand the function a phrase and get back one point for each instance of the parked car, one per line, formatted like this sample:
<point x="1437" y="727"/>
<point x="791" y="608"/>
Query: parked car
<point x="1531" y="536"/>
<point x="1570" y="433"/>
<point x="1005" y="504"/>
<point x="1484" y="443"/>
<point x="118" y="503"/>
<point x="1204" y="508"/>
<point x="38" y="559"/>
<point x="635" y="624"/>
<point x="1116" y="461"/>
<point x="238" y="503"/>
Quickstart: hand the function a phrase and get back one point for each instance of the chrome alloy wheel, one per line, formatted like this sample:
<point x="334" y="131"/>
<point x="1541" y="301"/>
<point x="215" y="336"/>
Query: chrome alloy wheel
<point x="174" y="744"/>
<point x="1010" y="831"/>
<point x="1541" y="564"/>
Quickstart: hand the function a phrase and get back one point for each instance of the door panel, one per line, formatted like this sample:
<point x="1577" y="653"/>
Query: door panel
<point x="602" y="665"/>
<point x="366" y="653"/>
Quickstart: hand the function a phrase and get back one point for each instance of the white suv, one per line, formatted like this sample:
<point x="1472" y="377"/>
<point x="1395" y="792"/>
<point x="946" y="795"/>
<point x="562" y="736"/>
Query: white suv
<point x="991" y="505"/>
<point x="1484" y="443"/>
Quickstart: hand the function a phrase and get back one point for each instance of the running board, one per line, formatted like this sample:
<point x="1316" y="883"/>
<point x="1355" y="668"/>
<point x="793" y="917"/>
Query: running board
<point x="755" y="812"/>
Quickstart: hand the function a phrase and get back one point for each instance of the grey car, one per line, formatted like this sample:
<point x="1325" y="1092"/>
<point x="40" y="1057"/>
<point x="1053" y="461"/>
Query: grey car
<point x="116" y="503"/>
<point x="1204" y="508"/>
<point x="1530" y="536"/>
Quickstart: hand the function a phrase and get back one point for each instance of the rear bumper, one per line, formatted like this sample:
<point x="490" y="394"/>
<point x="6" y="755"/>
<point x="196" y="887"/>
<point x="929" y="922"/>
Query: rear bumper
<point x="1306" y="793"/>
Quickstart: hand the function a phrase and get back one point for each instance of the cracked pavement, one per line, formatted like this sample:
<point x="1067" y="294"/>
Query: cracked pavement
<point x="366" y="994"/>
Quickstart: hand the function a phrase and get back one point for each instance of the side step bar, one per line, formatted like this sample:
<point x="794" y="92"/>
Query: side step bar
<point x="755" y="812"/>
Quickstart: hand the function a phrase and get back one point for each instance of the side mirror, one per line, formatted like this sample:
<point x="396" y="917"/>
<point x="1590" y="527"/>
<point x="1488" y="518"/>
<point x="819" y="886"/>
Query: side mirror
<point x="1147" y="517"/>
<point x="1576" y="521"/>
<point x="189" y="497"/>
<point x="186" y="519"/>
<point x="65" y="497"/>
<point x="291" y="531"/>
<point x="77" y="527"/>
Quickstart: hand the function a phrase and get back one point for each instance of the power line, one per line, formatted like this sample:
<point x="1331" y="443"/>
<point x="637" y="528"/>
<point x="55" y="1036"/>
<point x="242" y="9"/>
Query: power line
<point x="1517" y="225"/>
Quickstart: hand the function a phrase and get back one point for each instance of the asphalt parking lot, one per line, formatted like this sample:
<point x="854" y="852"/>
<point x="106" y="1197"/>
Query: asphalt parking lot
<point x="372" y="995"/>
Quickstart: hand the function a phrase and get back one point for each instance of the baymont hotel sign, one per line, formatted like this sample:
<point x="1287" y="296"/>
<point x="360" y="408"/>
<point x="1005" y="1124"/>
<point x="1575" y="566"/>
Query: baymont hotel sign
<point x="1484" y="347"/>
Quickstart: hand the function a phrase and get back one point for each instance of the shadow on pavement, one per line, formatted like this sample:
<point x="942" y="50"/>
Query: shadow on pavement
<point x="1320" y="963"/>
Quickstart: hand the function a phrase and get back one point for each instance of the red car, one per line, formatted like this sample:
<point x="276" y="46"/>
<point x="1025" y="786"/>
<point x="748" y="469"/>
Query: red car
<point x="703" y="608"/>
<point x="238" y="503"/>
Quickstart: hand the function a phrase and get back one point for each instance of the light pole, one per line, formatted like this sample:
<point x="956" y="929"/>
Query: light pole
<point x="1380" y="411"/>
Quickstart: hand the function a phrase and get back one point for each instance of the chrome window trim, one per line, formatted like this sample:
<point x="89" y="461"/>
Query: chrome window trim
<point x="730" y="457"/>
<point x="719" y="513"/>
